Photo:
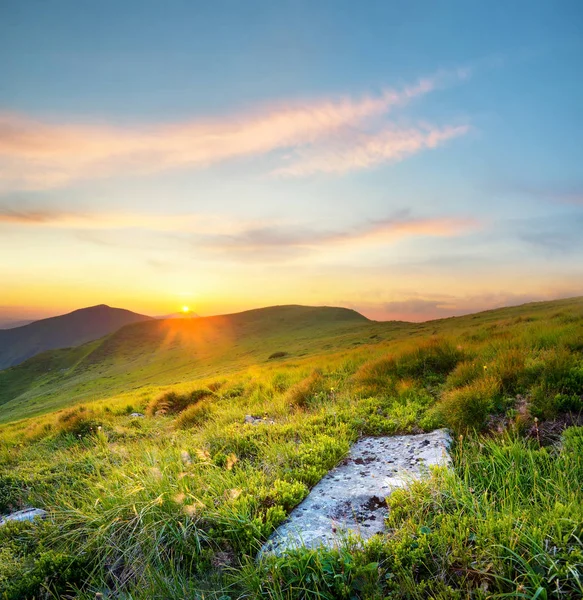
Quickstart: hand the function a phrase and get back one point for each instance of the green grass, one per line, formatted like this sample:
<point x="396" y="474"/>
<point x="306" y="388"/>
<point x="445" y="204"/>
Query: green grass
<point x="176" y="504"/>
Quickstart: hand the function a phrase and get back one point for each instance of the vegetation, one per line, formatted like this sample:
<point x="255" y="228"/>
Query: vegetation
<point x="176" y="504"/>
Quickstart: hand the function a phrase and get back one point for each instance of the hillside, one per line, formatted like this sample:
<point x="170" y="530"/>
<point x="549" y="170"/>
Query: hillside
<point x="161" y="352"/>
<point x="156" y="353"/>
<point x="73" y="329"/>
<point x="227" y="441"/>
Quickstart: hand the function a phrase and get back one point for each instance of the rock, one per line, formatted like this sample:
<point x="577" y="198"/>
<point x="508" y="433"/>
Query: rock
<point x="137" y="414"/>
<point x="251" y="420"/>
<point x="352" y="499"/>
<point x="28" y="514"/>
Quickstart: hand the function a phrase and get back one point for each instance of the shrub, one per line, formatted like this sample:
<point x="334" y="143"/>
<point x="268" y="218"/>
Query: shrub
<point x="172" y="402"/>
<point x="194" y="415"/>
<point x="79" y="421"/>
<point x="234" y="391"/>
<point x="277" y="355"/>
<point x="464" y="373"/>
<point x="468" y="407"/>
<point x="376" y="377"/>
<point x="281" y="381"/>
<point x="303" y="392"/>
<point x="435" y="357"/>
<point x="215" y="386"/>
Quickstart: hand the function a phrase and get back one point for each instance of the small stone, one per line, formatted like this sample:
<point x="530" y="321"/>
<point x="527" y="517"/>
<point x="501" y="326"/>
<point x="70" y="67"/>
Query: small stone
<point x="29" y="514"/>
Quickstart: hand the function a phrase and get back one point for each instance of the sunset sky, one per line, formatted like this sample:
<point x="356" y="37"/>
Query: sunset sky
<point x="411" y="160"/>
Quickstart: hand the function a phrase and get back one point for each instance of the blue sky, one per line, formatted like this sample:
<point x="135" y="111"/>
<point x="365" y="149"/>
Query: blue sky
<point x="409" y="159"/>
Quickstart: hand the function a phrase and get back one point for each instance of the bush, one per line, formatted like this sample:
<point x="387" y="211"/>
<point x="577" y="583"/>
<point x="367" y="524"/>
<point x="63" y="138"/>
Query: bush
<point x="464" y="373"/>
<point x="215" y="386"/>
<point x="435" y="357"/>
<point x="79" y="421"/>
<point x="277" y="355"/>
<point x="376" y="377"/>
<point x="430" y="360"/>
<point x="281" y="381"/>
<point x="194" y="415"/>
<point x="172" y="402"/>
<point x="468" y="407"/>
<point x="509" y="367"/>
<point x="303" y="392"/>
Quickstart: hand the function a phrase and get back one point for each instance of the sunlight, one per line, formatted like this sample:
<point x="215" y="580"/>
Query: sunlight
<point x="185" y="309"/>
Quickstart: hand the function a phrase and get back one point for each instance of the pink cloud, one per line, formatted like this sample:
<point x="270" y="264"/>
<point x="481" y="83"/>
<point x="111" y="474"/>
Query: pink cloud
<point x="367" y="151"/>
<point x="38" y="154"/>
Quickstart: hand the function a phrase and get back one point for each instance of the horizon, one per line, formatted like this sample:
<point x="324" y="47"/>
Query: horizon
<point x="408" y="162"/>
<point x="8" y="324"/>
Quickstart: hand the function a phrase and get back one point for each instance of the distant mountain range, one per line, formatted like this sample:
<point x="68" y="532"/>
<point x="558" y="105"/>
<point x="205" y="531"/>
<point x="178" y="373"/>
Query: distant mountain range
<point x="73" y="329"/>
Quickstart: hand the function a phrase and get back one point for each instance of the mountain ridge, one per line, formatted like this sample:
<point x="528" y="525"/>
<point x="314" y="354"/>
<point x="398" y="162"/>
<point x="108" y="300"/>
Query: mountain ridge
<point x="75" y="328"/>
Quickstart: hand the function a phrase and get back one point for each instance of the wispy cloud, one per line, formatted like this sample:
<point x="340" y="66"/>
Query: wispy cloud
<point x="418" y="308"/>
<point x="366" y="151"/>
<point x="279" y="241"/>
<point x="38" y="154"/>
<point x="59" y="219"/>
<point x="241" y="239"/>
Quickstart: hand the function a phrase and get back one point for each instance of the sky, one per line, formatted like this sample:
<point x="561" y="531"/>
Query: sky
<point x="408" y="159"/>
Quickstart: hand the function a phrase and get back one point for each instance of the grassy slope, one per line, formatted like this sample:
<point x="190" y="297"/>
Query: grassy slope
<point x="144" y="356"/>
<point x="171" y="506"/>
<point x="158" y="353"/>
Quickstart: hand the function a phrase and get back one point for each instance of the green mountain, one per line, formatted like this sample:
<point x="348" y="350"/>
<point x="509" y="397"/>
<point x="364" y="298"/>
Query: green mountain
<point x="17" y="344"/>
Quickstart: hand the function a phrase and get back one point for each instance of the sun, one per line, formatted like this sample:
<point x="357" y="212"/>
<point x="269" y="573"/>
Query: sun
<point x="185" y="309"/>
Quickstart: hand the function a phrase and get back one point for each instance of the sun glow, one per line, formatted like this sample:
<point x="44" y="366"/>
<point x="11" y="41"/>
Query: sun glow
<point x="185" y="309"/>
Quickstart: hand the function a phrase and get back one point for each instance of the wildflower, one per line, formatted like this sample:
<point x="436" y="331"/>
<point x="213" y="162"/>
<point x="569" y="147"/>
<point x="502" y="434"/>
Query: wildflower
<point x="485" y="367"/>
<point x="179" y="498"/>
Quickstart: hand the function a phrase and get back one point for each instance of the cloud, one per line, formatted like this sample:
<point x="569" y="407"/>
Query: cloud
<point x="38" y="154"/>
<point x="280" y="241"/>
<point x="57" y="219"/>
<point x="368" y="151"/>
<point x="419" y="308"/>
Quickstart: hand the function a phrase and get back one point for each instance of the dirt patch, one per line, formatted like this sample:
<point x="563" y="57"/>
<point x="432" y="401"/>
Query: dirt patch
<point x="549" y="432"/>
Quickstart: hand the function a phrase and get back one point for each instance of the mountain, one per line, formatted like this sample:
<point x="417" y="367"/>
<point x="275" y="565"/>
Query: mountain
<point x="78" y="327"/>
<point x="11" y="324"/>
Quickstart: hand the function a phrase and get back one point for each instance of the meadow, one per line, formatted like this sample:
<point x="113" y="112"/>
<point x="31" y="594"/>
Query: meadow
<point x="176" y="503"/>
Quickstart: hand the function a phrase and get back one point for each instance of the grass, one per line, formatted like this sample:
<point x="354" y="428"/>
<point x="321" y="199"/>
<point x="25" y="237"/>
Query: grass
<point x="177" y="503"/>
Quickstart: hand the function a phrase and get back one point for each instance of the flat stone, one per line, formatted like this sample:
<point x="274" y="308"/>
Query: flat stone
<point x="28" y="514"/>
<point x="350" y="499"/>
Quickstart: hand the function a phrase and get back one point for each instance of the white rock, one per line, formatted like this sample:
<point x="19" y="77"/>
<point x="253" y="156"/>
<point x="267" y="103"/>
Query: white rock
<point x="28" y="514"/>
<point x="352" y="496"/>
